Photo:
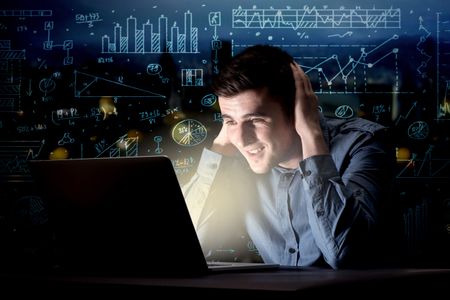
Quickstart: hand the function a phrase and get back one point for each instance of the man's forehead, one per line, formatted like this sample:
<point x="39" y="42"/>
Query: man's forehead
<point x="244" y="106"/>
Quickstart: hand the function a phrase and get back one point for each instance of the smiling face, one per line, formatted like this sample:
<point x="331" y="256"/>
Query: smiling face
<point x="258" y="128"/>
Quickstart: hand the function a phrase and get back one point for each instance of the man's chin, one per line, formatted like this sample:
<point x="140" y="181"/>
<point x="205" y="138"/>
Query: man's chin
<point x="260" y="169"/>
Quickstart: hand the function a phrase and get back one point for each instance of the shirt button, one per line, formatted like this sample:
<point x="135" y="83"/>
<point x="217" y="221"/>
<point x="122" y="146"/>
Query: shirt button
<point x="320" y="213"/>
<point x="307" y="172"/>
<point x="292" y="250"/>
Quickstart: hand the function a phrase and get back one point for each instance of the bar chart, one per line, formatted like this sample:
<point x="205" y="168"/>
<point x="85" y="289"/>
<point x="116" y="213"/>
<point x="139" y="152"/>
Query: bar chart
<point x="155" y="37"/>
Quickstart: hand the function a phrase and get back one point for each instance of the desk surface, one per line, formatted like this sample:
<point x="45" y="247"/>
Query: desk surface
<point x="307" y="281"/>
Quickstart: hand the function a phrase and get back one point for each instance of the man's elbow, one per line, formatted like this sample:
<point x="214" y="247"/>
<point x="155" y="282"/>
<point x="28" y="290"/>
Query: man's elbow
<point x="336" y="261"/>
<point x="355" y="259"/>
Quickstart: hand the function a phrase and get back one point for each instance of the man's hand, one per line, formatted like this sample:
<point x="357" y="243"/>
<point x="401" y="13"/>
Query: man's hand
<point x="307" y="120"/>
<point x="222" y="143"/>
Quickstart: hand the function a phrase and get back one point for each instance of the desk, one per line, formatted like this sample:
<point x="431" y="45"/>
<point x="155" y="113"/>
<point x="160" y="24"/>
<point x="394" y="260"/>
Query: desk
<point x="306" y="282"/>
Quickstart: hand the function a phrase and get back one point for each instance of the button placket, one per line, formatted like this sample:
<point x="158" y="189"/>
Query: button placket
<point x="287" y="230"/>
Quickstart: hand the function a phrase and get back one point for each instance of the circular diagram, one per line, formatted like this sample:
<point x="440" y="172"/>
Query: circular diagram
<point x="47" y="85"/>
<point x="418" y="130"/>
<point x="189" y="132"/>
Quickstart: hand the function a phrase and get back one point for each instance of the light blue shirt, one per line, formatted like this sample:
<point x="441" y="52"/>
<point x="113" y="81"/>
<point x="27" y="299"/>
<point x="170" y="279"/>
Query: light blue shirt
<point x="328" y="209"/>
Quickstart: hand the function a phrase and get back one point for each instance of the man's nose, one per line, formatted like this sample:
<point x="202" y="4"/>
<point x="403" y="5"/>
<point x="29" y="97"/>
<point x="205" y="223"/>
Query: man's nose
<point x="244" y="135"/>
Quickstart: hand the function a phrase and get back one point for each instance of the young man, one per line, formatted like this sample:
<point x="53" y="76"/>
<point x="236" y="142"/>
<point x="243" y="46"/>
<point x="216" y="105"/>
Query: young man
<point x="305" y="189"/>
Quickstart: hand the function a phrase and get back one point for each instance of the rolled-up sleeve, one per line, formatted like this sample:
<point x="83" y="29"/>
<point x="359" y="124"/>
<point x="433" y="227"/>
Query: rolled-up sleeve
<point x="197" y="190"/>
<point x="343" y="207"/>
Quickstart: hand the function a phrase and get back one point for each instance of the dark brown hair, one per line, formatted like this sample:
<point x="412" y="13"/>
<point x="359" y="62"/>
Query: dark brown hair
<point x="257" y="67"/>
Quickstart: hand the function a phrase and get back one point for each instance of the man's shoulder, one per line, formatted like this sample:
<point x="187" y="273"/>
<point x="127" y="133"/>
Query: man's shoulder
<point x="347" y="136"/>
<point x="337" y="125"/>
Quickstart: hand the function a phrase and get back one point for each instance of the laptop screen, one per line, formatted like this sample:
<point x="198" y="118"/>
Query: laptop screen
<point x="119" y="215"/>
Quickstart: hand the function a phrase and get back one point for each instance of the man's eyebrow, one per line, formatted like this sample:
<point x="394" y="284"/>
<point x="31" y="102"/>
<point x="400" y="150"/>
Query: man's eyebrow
<point x="246" y="115"/>
<point x="226" y="116"/>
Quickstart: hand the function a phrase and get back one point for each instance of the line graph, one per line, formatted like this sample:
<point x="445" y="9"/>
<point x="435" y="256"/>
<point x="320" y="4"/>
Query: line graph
<point x="352" y="71"/>
<point x="442" y="73"/>
<point x="316" y="18"/>
<point x="420" y="46"/>
<point x="405" y="117"/>
<point x="124" y="146"/>
<point x="88" y="86"/>
<point x="444" y="107"/>
<point x="426" y="167"/>
<point x="14" y="157"/>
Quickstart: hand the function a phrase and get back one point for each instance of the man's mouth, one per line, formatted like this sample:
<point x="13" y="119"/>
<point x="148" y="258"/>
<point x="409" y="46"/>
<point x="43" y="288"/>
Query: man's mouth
<point x="255" y="150"/>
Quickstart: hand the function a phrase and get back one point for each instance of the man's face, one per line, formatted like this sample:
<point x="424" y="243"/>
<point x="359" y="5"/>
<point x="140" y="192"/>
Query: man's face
<point x="257" y="127"/>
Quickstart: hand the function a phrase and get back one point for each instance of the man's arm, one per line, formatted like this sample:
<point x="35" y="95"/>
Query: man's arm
<point x="213" y="206"/>
<point x="343" y="205"/>
<point x="197" y="190"/>
<point x="307" y="118"/>
<point x="345" y="208"/>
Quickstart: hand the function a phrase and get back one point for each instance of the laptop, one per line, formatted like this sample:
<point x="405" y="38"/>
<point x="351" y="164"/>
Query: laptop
<point x="120" y="216"/>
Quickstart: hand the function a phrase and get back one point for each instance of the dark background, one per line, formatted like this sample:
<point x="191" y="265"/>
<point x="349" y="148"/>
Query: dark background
<point x="91" y="79"/>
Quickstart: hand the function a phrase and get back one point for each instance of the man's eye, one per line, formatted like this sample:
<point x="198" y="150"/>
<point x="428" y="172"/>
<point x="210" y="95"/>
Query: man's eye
<point x="228" y="122"/>
<point x="257" y="120"/>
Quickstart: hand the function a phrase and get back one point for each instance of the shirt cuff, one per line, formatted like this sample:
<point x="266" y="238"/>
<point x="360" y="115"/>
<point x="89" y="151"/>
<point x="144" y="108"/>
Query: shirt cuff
<point x="317" y="169"/>
<point x="209" y="163"/>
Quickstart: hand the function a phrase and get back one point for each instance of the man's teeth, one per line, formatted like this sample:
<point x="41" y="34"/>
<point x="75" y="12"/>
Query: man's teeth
<point x="254" y="151"/>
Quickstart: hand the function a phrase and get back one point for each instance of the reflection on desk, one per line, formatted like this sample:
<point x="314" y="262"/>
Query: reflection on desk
<point x="305" y="281"/>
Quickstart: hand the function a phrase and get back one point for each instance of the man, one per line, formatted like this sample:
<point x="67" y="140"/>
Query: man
<point x="303" y="188"/>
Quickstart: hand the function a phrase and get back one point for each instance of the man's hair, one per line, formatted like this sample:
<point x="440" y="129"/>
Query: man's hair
<point x="257" y="67"/>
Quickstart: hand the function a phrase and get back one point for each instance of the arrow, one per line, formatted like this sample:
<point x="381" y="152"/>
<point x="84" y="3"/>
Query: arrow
<point x="29" y="92"/>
